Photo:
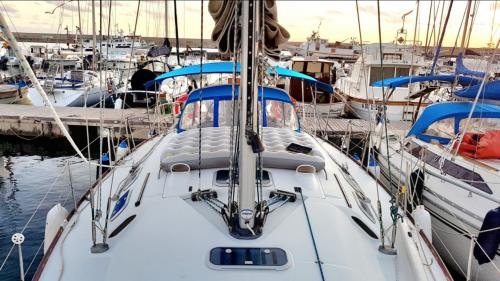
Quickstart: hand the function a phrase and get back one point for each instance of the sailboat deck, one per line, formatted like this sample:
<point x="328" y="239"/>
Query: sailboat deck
<point x="171" y="236"/>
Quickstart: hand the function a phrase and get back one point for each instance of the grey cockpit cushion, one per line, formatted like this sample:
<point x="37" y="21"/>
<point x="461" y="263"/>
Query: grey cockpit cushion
<point x="215" y="147"/>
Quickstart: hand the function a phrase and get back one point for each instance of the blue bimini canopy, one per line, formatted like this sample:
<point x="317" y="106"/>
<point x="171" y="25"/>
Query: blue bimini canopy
<point x="491" y="91"/>
<point x="461" y="69"/>
<point x="403" y="80"/>
<point x="228" y="67"/>
<point x="456" y="110"/>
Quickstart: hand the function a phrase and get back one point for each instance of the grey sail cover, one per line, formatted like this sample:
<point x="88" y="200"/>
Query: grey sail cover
<point x="223" y="13"/>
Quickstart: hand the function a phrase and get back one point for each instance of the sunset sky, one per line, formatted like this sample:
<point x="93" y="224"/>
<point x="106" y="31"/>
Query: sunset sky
<point x="300" y="18"/>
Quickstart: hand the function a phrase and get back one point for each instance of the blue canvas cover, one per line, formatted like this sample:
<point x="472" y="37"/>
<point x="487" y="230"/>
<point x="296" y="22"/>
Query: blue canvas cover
<point x="491" y="91"/>
<point x="224" y="92"/>
<point x="457" y="110"/>
<point x="227" y="67"/>
<point x="461" y="69"/>
<point x="403" y="80"/>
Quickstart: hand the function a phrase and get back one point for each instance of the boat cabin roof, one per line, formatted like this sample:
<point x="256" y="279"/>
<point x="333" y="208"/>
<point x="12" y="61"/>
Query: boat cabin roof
<point x="457" y="111"/>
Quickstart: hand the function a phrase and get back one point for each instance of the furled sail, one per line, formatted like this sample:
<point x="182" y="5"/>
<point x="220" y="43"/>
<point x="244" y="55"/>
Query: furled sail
<point x="223" y="13"/>
<point x="461" y="69"/>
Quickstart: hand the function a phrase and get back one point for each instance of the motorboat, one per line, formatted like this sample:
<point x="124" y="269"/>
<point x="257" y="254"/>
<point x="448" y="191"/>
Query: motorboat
<point x="13" y="93"/>
<point x="365" y="99"/>
<point x="320" y="101"/>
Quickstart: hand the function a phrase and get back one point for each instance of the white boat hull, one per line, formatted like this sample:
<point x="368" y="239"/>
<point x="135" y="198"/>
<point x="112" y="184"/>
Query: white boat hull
<point x="451" y="215"/>
<point x="332" y="110"/>
<point x="68" y="97"/>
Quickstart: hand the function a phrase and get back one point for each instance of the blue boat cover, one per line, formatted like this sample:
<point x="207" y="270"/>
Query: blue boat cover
<point x="457" y="110"/>
<point x="224" y="92"/>
<point x="461" y="69"/>
<point x="491" y="91"/>
<point x="403" y="80"/>
<point x="219" y="93"/>
<point x="227" y="67"/>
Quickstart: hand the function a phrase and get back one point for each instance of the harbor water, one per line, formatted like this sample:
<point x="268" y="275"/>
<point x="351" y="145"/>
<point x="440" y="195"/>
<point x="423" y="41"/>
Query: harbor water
<point x="34" y="176"/>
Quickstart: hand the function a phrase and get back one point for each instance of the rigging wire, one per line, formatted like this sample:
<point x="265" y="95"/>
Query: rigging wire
<point x="363" y="65"/>
<point x="441" y="37"/>
<point x="428" y="26"/>
<point x="474" y="14"/>
<point x="176" y="33"/>
<point x="234" y="143"/>
<point x="394" y="206"/>
<point x="200" y="99"/>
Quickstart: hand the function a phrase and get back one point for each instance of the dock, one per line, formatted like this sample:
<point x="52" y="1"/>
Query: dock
<point x="27" y="121"/>
<point x="334" y="127"/>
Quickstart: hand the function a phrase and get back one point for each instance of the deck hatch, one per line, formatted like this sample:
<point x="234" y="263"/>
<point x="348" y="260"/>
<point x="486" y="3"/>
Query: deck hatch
<point x="222" y="178"/>
<point x="248" y="257"/>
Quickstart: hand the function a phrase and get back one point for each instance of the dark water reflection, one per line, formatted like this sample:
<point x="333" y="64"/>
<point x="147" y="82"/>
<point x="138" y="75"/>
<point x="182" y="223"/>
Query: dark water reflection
<point x="30" y="171"/>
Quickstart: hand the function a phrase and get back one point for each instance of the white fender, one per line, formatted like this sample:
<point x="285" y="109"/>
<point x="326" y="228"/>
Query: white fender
<point x="118" y="103"/>
<point x="423" y="220"/>
<point x="122" y="150"/>
<point x="378" y="135"/>
<point x="56" y="218"/>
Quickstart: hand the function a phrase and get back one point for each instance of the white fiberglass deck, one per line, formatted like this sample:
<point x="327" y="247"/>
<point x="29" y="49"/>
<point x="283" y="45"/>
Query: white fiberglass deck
<point x="171" y="236"/>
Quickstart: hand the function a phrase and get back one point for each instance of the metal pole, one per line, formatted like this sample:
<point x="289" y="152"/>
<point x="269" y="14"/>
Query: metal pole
<point x="303" y="104"/>
<point x="18" y="239"/>
<point x="248" y="112"/>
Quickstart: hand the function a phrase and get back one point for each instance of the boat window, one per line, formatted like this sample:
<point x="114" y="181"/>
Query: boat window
<point x="226" y="113"/>
<point x="392" y="56"/>
<point x="190" y="115"/>
<point x="376" y="73"/>
<point x="480" y="125"/>
<point x="402" y="71"/>
<point x="442" y="128"/>
<point x="298" y="66"/>
<point x="327" y="68"/>
<point x="313" y="67"/>
<point x="281" y="115"/>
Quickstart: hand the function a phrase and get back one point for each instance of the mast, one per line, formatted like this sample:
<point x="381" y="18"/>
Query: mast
<point x="249" y="143"/>
<point x="166" y="34"/>
<point x="94" y="37"/>
<point x="466" y="24"/>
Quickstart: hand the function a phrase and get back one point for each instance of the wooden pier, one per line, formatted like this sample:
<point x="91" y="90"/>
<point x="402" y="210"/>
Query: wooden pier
<point x="355" y="127"/>
<point x="33" y="121"/>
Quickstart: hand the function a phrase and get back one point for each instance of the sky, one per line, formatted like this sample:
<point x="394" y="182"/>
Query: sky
<point x="335" y="20"/>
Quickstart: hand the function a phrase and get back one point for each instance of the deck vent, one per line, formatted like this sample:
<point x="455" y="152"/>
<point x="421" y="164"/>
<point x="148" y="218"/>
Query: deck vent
<point x="222" y="178"/>
<point x="365" y="228"/>
<point x="258" y="258"/>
